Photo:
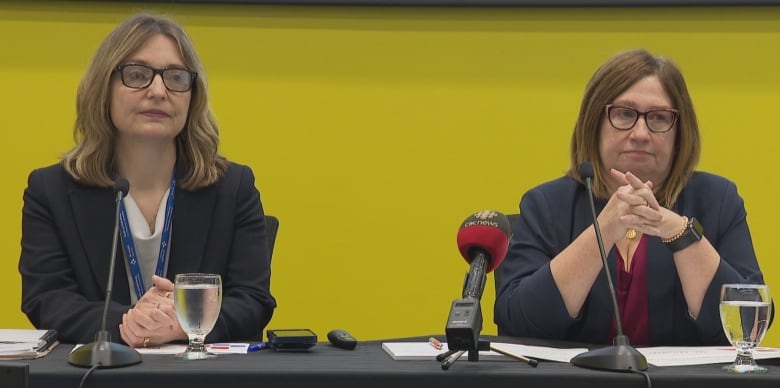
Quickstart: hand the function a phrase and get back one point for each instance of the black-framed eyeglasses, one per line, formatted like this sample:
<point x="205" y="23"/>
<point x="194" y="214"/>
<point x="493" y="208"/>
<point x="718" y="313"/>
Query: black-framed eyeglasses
<point x="657" y="120"/>
<point x="175" y="79"/>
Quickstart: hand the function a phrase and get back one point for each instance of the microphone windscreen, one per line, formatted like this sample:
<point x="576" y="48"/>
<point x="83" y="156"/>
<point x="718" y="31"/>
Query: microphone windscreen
<point x="586" y="170"/>
<point x="121" y="184"/>
<point x="487" y="230"/>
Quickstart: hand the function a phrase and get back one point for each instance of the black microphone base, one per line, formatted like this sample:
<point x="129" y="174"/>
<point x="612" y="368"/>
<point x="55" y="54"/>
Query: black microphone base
<point x="620" y="357"/>
<point x="105" y="354"/>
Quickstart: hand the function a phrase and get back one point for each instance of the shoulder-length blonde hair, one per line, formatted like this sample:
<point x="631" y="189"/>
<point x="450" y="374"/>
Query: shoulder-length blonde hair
<point x="610" y="80"/>
<point x="91" y="161"/>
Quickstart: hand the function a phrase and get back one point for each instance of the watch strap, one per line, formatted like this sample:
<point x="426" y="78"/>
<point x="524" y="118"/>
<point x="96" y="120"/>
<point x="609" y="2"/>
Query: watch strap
<point x="691" y="233"/>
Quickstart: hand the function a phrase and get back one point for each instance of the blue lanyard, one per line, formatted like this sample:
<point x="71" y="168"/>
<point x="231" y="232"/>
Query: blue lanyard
<point x="129" y="245"/>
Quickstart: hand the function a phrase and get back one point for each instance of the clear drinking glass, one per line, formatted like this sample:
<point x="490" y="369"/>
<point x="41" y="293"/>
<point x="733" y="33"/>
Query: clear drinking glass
<point x="744" y="312"/>
<point x="198" y="299"/>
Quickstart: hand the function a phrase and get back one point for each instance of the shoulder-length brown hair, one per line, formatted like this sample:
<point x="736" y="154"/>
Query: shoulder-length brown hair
<point x="610" y="80"/>
<point x="91" y="161"/>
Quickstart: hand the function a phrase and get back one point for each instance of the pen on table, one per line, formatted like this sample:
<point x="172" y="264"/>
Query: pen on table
<point x="258" y="346"/>
<point x="435" y="343"/>
<point x="225" y="346"/>
<point x="451" y="359"/>
<point x="530" y="361"/>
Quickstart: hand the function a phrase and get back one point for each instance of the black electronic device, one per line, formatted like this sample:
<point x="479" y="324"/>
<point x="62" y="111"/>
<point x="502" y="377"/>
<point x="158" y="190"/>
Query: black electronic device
<point x="483" y="239"/>
<point x="15" y="374"/>
<point x="291" y="339"/>
<point x="342" y="339"/>
<point x="464" y="324"/>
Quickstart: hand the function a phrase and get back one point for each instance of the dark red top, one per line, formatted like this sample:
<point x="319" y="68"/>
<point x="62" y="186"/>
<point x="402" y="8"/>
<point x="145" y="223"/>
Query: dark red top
<point x="631" y="289"/>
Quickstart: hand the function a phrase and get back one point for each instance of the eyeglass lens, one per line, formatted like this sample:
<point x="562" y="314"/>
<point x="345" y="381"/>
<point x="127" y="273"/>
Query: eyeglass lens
<point x="140" y="77"/>
<point x="657" y="120"/>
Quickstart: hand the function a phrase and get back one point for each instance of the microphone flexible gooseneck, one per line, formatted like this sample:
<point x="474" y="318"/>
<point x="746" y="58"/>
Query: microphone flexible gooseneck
<point x="121" y="188"/>
<point x="102" y="352"/>
<point x="586" y="171"/>
<point x="620" y="356"/>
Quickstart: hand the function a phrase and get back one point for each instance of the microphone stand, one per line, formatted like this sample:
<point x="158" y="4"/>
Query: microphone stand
<point x="621" y="356"/>
<point x="102" y="352"/>
<point x="463" y="328"/>
<point x="449" y="357"/>
<point x="465" y="321"/>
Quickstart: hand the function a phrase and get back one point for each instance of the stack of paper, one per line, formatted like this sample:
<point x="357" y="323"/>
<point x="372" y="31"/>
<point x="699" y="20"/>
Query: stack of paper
<point x="22" y="344"/>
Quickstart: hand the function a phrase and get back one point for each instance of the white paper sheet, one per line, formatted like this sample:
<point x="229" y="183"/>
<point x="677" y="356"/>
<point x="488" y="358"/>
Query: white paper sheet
<point x="697" y="355"/>
<point x="541" y="352"/>
<point x="424" y="351"/>
<point x="658" y="356"/>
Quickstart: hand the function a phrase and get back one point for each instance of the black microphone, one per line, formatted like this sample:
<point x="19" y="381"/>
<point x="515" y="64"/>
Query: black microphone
<point x="102" y="352"/>
<point x="621" y="356"/>
<point x="483" y="239"/>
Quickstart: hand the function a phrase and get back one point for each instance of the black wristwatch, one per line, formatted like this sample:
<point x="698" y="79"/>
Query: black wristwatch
<point x="692" y="233"/>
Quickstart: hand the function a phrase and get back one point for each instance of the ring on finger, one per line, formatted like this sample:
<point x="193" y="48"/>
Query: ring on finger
<point x="146" y="341"/>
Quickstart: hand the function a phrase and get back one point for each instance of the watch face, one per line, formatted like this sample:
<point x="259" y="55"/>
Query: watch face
<point x="696" y="228"/>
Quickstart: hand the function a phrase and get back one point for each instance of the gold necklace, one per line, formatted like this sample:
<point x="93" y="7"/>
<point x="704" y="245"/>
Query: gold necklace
<point x="631" y="233"/>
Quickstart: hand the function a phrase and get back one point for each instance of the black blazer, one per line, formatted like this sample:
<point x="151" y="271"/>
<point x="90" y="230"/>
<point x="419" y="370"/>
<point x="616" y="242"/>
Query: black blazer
<point x="528" y="303"/>
<point x="67" y="229"/>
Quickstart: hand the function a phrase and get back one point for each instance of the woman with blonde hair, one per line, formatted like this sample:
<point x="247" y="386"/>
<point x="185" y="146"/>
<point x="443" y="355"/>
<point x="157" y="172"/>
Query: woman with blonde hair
<point x="142" y="114"/>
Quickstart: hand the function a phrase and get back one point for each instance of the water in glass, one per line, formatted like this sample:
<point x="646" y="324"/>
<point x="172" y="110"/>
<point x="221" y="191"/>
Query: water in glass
<point x="744" y="312"/>
<point x="198" y="299"/>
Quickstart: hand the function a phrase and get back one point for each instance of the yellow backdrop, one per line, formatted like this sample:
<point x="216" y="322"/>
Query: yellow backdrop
<point x="373" y="132"/>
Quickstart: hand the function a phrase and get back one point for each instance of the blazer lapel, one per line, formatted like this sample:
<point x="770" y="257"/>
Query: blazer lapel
<point x="191" y="224"/>
<point x="661" y="277"/>
<point x="93" y="212"/>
